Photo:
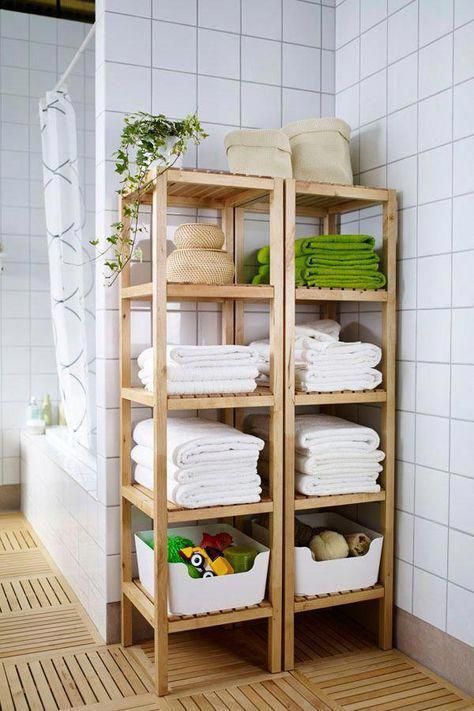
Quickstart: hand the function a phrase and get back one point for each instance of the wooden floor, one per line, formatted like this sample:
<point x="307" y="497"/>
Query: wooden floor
<point x="52" y="658"/>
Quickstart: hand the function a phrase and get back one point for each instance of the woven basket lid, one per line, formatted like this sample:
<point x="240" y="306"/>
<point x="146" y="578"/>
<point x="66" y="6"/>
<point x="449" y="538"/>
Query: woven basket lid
<point x="199" y="235"/>
<point x="318" y="125"/>
<point x="258" y="138"/>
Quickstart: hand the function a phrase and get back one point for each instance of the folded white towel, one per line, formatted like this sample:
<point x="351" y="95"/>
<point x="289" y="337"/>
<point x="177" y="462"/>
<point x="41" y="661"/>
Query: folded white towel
<point x="310" y="486"/>
<point x="322" y="433"/>
<point x="310" y="380"/>
<point x="192" y="496"/>
<point x="207" y="387"/>
<point x="305" y="466"/>
<point x="317" y="330"/>
<point x="194" y="440"/>
<point x="184" y="372"/>
<point x="354" y="353"/>
<point x="210" y="356"/>
<point x="199" y="475"/>
<point x="143" y="455"/>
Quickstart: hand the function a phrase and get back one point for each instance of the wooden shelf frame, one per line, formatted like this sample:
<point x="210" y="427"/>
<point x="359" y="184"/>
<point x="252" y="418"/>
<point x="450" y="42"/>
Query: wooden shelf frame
<point x="327" y="202"/>
<point x="233" y="195"/>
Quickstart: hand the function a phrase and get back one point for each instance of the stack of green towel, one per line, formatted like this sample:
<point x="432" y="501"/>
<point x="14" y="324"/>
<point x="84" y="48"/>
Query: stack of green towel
<point x="330" y="261"/>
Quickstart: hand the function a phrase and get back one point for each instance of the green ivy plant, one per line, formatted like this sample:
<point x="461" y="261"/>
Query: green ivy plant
<point x="145" y="139"/>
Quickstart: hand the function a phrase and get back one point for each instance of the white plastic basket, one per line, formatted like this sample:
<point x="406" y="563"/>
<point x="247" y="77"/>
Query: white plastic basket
<point x="314" y="577"/>
<point x="191" y="596"/>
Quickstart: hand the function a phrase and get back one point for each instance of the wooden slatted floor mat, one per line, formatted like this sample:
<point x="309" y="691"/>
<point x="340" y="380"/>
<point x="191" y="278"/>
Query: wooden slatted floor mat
<point x="52" y="659"/>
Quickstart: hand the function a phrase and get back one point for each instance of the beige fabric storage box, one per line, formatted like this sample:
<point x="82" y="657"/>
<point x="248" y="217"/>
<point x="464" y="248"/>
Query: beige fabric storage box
<point x="259" y="152"/>
<point x="320" y="150"/>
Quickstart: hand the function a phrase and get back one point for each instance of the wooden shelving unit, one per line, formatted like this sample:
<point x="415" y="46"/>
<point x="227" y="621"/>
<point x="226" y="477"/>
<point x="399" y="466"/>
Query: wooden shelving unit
<point x="327" y="202"/>
<point x="232" y="195"/>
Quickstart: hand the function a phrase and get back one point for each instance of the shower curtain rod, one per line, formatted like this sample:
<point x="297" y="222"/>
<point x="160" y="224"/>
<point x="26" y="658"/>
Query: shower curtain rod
<point x="75" y="59"/>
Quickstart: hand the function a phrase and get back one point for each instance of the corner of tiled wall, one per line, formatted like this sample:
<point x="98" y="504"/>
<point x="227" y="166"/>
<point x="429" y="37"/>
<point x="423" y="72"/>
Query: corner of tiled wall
<point x="405" y="83"/>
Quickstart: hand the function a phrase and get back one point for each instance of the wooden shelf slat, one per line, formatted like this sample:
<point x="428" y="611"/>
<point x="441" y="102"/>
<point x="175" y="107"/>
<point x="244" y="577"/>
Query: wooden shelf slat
<point x="142" y="498"/>
<point x="202" y="292"/>
<point x="303" y="502"/>
<point x="317" y="293"/>
<point x="261" y="397"/>
<point x="344" y="397"/>
<point x="140" y="598"/>
<point x="306" y="603"/>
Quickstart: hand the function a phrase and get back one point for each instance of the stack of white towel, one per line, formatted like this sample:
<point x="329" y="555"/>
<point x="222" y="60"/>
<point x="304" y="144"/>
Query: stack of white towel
<point x="196" y="370"/>
<point x="208" y="463"/>
<point x="323" y="363"/>
<point x="332" y="455"/>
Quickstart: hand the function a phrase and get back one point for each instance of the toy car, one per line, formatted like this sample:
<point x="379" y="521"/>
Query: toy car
<point x="208" y="562"/>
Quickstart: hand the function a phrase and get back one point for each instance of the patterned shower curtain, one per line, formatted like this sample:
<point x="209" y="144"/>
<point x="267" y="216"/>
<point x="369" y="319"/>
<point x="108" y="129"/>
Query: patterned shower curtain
<point x="67" y="258"/>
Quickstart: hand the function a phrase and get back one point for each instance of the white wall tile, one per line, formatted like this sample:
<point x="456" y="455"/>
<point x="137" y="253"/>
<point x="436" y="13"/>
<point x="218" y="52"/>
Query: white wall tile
<point x="463" y="285"/>
<point x="262" y="19"/>
<point x="373" y="145"/>
<point x="402" y="176"/>
<point x="302" y="22"/>
<point x="429" y="598"/>
<point x="435" y="18"/>
<point x="347" y="65"/>
<point x="138" y="83"/>
<point x="373" y="50"/>
<point x="407" y="331"/>
<point x="461" y="555"/>
<point x="431" y="547"/>
<point x="175" y="11"/>
<point x="434" y="270"/>
<point x="406" y="385"/>
<point x="294" y="58"/>
<point x="463" y="12"/>
<point x="463" y="215"/>
<point x="462" y="392"/>
<point x="432" y="442"/>
<point x="347" y="103"/>
<point x="463" y="157"/>
<point x="373" y="97"/>
<point x="463" y="335"/>
<point x="432" y="335"/>
<point x="121" y="36"/>
<point x="14" y="24"/>
<point x="431" y="496"/>
<point x="435" y="120"/>
<point x="299" y="104"/>
<point x="432" y="400"/>
<point x="328" y="27"/>
<point x="261" y="61"/>
<point x="463" y="109"/>
<point x="219" y="54"/>
<point x="462" y="434"/>
<point x="261" y="105"/>
<point x="142" y="8"/>
<point x="219" y="101"/>
<point x="405" y="480"/>
<point x="404" y="536"/>
<point x="403" y="32"/>
<point x="407" y="284"/>
<point x="461" y="504"/>
<point x="403" y="585"/>
<point x="460" y="614"/>
<point x="402" y="133"/>
<point x="434" y="228"/>
<point x="167" y="37"/>
<point x="211" y="152"/>
<point x="436" y="66"/>
<point x="435" y="174"/>
<point x="173" y="93"/>
<point x="402" y="82"/>
<point x="464" y="53"/>
<point x="347" y="22"/>
<point x="371" y="13"/>
<point x="219" y="14"/>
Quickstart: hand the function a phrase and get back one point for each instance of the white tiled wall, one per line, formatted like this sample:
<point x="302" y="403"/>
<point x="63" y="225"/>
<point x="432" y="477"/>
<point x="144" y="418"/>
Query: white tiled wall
<point x="405" y="83"/>
<point x="34" y="51"/>
<point x="239" y="64"/>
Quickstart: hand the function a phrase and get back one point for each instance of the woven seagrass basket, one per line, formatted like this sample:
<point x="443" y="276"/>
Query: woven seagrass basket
<point x="197" y="235"/>
<point x="200" y="266"/>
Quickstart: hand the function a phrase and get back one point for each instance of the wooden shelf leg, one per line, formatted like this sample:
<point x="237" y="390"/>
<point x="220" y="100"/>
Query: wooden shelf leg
<point x="389" y="334"/>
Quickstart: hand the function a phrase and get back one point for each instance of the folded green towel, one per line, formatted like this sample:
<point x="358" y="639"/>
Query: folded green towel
<point x="374" y="280"/>
<point x="263" y="255"/>
<point x="334" y="243"/>
<point x="314" y="260"/>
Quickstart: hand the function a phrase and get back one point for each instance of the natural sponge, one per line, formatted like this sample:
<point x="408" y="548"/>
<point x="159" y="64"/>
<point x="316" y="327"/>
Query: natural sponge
<point x="329" y="545"/>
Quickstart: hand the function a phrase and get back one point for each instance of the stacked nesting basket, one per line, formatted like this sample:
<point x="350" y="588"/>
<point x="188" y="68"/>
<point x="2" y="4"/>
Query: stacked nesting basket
<point x="199" y="257"/>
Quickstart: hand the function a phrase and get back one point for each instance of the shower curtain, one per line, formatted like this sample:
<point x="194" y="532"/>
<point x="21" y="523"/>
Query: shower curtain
<point x="68" y="259"/>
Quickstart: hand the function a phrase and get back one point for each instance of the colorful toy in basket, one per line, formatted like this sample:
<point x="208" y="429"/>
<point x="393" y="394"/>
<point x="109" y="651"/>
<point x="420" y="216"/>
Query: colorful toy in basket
<point x="221" y="541"/>
<point x="207" y="562"/>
